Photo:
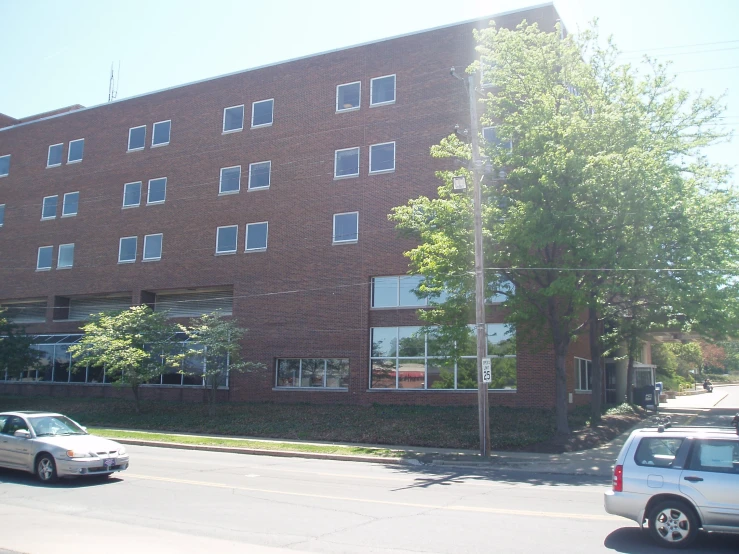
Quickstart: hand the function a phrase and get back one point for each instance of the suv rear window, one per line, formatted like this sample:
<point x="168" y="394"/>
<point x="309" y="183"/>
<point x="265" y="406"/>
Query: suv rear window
<point x="657" y="451"/>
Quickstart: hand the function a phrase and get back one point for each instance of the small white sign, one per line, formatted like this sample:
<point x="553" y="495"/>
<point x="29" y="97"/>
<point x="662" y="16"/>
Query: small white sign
<point x="487" y="371"/>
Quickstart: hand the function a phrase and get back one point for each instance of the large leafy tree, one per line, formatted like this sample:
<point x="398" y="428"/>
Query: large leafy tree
<point x="16" y="354"/>
<point x="218" y="342"/>
<point x="134" y="345"/>
<point x="605" y="208"/>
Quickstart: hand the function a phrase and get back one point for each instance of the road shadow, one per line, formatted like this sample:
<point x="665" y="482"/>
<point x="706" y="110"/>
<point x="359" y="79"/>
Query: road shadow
<point x="632" y="540"/>
<point x="18" y="477"/>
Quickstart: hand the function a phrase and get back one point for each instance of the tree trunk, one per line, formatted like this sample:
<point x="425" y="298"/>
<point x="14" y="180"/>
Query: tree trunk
<point x="212" y="392"/>
<point x="596" y="396"/>
<point x="560" y="356"/>
<point x="135" y="389"/>
<point x="630" y="379"/>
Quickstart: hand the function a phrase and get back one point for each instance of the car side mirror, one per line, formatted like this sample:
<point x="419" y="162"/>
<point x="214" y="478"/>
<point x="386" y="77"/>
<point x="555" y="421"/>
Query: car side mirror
<point x="22" y="434"/>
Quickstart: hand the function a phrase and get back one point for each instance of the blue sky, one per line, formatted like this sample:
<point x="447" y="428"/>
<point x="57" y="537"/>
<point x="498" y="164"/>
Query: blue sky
<point x="60" y="53"/>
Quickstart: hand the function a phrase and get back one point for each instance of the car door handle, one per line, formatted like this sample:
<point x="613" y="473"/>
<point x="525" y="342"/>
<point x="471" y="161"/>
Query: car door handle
<point x="693" y="479"/>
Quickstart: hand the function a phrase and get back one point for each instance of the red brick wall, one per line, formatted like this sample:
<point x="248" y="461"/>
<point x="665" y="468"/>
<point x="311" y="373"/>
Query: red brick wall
<point x="303" y="297"/>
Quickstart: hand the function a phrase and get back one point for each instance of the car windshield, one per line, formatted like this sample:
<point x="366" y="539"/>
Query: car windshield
<point x="47" y="426"/>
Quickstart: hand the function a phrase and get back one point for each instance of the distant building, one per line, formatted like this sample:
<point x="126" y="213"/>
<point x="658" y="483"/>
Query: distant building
<point x="265" y="194"/>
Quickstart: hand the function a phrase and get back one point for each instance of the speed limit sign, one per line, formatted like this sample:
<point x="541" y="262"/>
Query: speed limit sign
<point x="487" y="371"/>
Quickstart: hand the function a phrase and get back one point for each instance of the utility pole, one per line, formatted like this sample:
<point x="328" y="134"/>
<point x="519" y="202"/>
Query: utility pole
<point x="482" y="376"/>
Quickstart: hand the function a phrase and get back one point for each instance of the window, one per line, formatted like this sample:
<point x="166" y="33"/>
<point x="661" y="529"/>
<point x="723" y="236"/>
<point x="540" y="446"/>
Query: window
<point x="127" y="250"/>
<point x="70" y="204"/>
<point x="55" y="155"/>
<point x="657" y="452"/>
<point x="230" y="180"/>
<point x="153" y="247"/>
<point x="2" y="215"/>
<point x="137" y="138"/>
<point x="348" y="96"/>
<point x="406" y="358"/>
<point x="43" y="261"/>
<point x="584" y="374"/>
<point x="157" y="190"/>
<point x="233" y="119"/>
<point x="259" y="175"/>
<point x="716" y="456"/>
<point x="76" y="149"/>
<point x="48" y="207"/>
<point x="5" y="165"/>
<point x="502" y="289"/>
<point x="313" y="373"/>
<point x="226" y="238"/>
<point x="346" y="227"/>
<point x="256" y="236"/>
<point x="382" y="90"/>
<point x="393" y="292"/>
<point x="382" y="157"/>
<point x="66" y="256"/>
<point x="346" y="163"/>
<point x="261" y="113"/>
<point x="132" y="194"/>
<point x="160" y="133"/>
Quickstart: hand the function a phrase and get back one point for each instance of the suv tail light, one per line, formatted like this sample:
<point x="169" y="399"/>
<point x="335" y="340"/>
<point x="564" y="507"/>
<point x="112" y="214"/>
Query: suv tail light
<point x="618" y="478"/>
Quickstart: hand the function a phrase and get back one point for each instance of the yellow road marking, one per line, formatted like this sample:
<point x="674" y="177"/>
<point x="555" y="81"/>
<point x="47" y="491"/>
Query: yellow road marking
<point x="455" y="508"/>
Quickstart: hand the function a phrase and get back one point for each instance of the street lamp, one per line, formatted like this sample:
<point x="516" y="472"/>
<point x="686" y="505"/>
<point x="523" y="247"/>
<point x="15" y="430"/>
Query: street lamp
<point x="483" y="363"/>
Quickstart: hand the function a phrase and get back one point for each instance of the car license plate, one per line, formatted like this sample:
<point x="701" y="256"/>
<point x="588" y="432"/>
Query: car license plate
<point x="109" y="462"/>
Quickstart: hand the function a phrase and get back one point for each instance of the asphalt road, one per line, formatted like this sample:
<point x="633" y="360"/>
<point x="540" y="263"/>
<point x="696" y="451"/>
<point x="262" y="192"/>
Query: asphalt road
<point x="186" y="501"/>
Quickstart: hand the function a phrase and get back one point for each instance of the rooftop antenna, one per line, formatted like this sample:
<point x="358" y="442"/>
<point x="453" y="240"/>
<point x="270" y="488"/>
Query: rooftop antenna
<point x="113" y="85"/>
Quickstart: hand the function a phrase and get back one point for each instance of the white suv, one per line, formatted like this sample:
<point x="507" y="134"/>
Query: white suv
<point x="678" y="480"/>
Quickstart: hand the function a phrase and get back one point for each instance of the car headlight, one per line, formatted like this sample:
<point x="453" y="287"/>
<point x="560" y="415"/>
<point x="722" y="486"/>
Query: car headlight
<point x="122" y="451"/>
<point x="78" y="454"/>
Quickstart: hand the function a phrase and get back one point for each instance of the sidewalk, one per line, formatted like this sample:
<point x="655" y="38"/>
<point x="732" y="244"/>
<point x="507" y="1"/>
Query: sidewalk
<point x="594" y="462"/>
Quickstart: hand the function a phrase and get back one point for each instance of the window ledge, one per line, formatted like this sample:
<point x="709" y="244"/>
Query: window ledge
<point x="254" y="189"/>
<point x="226" y="193"/>
<point x="151" y="259"/>
<point x="126" y="261"/>
<point x="160" y="144"/>
<point x="321" y="389"/>
<point x="155" y="203"/>
<point x="340" y="177"/>
<point x="262" y="125"/>
<point x="135" y="149"/>
<point x="380" y="171"/>
<point x="65" y="267"/>
<point x="255" y="250"/>
<point x="225" y="253"/>
<point x="54" y="165"/>
<point x="443" y="391"/>
<point x="48" y="218"/>
<point x="344" y="110"/>
<point x="378" y="104"/>
<point x="578" y="391"/>
<point x="230" y="131"/>
<point x="43" y="269"/>
<point x="69" y="215"/>
<point x="73" y="161"/>
<point x="337" y="243"/>
<point x="130" y="206"/>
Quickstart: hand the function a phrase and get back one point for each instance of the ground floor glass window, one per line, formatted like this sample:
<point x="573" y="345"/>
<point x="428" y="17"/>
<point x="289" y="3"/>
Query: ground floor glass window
<point x="331" y="373"/>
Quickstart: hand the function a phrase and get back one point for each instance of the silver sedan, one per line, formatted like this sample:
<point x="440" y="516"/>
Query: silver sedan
<point x="51" y="445"/>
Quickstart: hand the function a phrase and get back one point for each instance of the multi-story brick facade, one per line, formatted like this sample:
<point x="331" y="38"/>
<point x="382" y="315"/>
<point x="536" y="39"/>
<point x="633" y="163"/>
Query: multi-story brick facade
<point x="303" y="286"/>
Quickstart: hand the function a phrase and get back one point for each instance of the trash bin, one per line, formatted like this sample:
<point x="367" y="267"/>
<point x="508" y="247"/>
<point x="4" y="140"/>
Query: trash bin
<point x="657" y="392"/>
<point x="644" y="396"/>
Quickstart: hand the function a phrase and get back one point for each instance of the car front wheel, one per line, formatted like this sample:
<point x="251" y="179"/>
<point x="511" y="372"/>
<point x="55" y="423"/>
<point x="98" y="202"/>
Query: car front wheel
<point x="673" y="523"/>
<point x="46" y="468"/>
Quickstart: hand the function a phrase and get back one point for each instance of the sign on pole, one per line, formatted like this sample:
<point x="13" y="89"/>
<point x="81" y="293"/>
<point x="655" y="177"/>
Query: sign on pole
<point x="487" y="371"/>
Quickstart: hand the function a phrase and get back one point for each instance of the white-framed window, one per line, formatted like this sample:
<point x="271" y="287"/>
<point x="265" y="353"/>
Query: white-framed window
<point x="76" y="150"/>
<point x="2" y="215"/>
<point x="55" y="155"/>
<point x="70" y="204"/>
<point x="260" y="175"/>
<point x="382" y="157"/>
<point x="256" y="236"/>
<point x="348" y="96"/>
<point x="382" y="90"/>
<point x="5" y="165"/>
<point x="397" y="291"/>
<point x="66" y="256"/>
<point x="346" y="163"/>
<point x="160" y="133"/>
<point x="262" y="113"/>
<point x="153" y="247"/>
<point x="583" y="374"/>
<point x="233" y="119"/>
<point x="346" y="227"/>
<point x="157" y="190"/>
<point x="43" y="260"/>
<point x="227" y="239"/>
<point x="490" y="136"/>
<point x="137" y="138"/>
<point x="230" y="181"/>
<point x="127" y="247"/>
<point x="48" y="207"/>
<point x="132" y="194"/>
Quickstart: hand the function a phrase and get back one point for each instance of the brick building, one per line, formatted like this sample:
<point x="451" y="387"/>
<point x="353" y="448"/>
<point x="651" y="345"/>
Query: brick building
<point x="265" y="194"/>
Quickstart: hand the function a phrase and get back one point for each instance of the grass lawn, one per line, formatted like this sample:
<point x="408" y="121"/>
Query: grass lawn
<point x="438" y="427"/>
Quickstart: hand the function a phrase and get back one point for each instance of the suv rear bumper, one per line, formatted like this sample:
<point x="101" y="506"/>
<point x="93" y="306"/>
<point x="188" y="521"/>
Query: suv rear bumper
<point x="626" y="504"/>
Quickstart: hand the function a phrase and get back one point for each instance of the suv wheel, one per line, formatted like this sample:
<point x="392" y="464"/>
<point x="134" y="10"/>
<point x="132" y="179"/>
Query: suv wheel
<point x="673" y="523"/>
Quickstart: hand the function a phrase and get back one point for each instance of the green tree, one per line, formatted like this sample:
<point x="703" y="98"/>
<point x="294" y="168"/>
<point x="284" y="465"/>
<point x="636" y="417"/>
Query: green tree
<point x="16" y="354"/>
<point x="134" y="345"/>
<point x="605" y="204"/>
<point x="218" y="341"/>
